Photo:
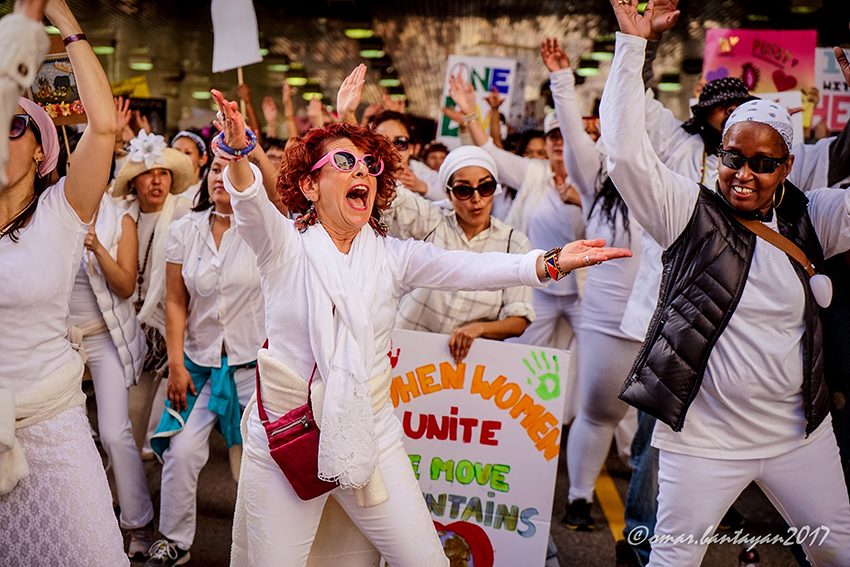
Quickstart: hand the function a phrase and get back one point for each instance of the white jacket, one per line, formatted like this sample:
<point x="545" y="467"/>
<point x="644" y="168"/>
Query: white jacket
<point x="118" y="314"/>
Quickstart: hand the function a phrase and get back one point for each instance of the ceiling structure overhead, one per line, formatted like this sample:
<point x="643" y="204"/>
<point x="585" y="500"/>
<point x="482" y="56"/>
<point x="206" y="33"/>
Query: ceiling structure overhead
<point x="416" y="35"/>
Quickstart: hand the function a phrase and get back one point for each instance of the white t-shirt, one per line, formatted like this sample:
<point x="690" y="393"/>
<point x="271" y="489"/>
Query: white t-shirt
<point x="225" y="299"/>
<point x="36" y="278"/>
<point x="282" y="262"/>
<point x="750" y="403"/>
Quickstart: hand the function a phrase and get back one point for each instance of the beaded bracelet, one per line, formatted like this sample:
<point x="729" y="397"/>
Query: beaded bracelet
<point x="470" y="118"/>
<point x="553" y="267"/>
<point x="223" y="150"/>
<point x="74" y="37"/>
<point x="217" y="152"/>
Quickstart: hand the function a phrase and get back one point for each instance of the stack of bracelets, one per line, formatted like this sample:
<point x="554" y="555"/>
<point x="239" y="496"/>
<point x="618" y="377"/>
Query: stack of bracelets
<point x="224" y="151"/>
<point x="553" y="267"/>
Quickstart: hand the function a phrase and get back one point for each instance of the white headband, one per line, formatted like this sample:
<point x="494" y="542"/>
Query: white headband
<point x="764" y="112"/>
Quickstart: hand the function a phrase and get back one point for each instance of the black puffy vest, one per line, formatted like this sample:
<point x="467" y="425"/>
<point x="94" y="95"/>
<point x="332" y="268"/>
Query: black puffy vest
<point x="704" y="275"/>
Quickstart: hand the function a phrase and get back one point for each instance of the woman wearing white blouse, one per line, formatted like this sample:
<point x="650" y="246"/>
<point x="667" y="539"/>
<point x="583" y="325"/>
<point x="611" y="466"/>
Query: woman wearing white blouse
<point x="734" y="345"/>
<point x="332" y="283"/>
<point x="214" y="325"/>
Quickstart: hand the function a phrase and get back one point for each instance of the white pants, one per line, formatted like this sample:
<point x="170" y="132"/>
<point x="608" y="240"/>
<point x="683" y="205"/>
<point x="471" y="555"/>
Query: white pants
<point x="61" y="513"/>
<point x="281" y="527"/>
<point x="116" y="433"/>
<point x="602" y="369"/>
<point x="186" y="455"/>
<point x="806" y="485"/>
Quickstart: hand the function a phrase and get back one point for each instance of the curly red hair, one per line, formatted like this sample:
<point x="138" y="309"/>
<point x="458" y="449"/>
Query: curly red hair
<point x="302" y="153"/>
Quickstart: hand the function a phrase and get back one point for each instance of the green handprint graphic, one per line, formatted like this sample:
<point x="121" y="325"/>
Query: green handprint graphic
<point x="548" y="379"/>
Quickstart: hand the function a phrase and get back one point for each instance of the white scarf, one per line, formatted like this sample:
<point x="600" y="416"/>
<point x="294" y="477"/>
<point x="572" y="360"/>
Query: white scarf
<point x="152" y="312"/>
<point x="340" y="291"/>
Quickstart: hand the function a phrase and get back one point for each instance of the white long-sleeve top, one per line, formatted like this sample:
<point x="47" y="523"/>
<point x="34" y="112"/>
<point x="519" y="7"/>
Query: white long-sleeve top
<point x="282" y="262"/>
<point x="552" y="222"/>
<point x="609" y="286"/>
<point x="750" y="403"/>
<point x="225" y="311"/>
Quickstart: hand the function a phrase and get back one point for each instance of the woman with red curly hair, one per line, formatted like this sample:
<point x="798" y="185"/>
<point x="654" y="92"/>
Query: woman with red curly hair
<point x="331" y="283"/>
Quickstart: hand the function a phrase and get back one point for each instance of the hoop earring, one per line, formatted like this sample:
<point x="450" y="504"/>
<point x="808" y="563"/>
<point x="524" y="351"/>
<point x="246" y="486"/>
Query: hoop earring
<point x="308" y="219"/>
<point x="775" y="204"/>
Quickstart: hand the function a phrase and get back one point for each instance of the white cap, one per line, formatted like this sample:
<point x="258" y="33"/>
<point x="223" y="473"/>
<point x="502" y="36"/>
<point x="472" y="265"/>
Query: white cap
<point x="550" y="122"/>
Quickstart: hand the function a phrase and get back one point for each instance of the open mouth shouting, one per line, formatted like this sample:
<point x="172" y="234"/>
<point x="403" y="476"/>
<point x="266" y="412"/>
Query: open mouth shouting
<point x="357" y="197"/>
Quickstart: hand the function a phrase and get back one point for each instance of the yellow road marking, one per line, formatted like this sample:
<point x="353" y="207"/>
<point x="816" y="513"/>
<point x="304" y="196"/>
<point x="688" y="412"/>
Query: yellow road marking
<point x="611" y="503"/>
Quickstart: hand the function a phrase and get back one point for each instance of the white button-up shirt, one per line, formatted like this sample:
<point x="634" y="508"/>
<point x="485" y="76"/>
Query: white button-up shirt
<point x="226" y="311"/>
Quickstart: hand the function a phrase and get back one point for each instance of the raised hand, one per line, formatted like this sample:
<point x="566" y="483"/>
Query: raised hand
<point x="244" y="93"/>
<point x="230" y="121"/>
<point x="349" y="94"/>
<point x="632" y="23"/>
<point x="494" y="99"/>
<point x="453" y="114"/>
<point x="841" y="57"/>
<point x="585" y="253"/>
<point x="269" y="108"/>
<point x="462" y="93"/>
<point x="553" y="56"/>
<point x="394" y="105"/>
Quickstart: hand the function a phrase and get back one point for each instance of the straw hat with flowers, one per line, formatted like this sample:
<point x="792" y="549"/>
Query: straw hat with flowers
<point x="149" y="151"/>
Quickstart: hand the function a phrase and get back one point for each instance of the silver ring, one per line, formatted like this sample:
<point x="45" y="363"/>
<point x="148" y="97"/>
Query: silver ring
<point x="219" y="116"/>
<point x="587" y="259"/>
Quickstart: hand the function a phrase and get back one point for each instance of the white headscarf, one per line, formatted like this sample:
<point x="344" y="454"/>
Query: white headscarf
<point x="466" y="156"/>
<point x="764" y="112"/>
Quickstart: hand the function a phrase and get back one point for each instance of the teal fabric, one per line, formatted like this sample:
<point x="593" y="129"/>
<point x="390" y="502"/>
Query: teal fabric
<point x="224" y="401"/>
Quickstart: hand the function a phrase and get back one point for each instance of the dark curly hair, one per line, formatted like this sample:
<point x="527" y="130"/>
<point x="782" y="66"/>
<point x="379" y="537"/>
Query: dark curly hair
<point x="302" y="153"/>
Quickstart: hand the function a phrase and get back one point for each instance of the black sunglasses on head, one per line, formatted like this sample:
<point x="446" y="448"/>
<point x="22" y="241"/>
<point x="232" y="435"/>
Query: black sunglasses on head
<point x="758" y="164"/>
<point x="463" y="192"/>
<point x="20" y="123"/>
<point x="401" y="143"/>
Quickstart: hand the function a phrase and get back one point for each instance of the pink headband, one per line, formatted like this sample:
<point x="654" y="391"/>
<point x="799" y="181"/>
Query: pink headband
<point x="47" y="131"/>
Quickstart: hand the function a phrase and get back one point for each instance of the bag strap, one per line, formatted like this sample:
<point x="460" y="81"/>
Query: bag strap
<point x="772" y="237"/>
<point x="264" y="418"/>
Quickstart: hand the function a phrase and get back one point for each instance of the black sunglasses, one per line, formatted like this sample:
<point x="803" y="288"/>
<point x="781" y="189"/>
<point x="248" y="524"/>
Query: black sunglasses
<point x="20" y="123"/>
<point x="758" y="164"/>
<point x="463" y="192"/>
<point x="401" y="143"/>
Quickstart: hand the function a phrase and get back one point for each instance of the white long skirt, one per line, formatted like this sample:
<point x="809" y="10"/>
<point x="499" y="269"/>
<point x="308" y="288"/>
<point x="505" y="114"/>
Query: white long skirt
<point x="61" y="513"/>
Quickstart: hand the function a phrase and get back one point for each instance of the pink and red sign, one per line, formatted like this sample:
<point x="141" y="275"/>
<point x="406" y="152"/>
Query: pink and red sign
<point x="766" y="60"/>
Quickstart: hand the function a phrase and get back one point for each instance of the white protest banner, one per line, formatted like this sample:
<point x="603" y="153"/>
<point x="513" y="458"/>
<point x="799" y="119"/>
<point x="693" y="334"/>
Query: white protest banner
<point x="236" y="41"/>
<point x="484" y="74"/>
<point x="833" y="107"/>
<point x="483" y="438"/>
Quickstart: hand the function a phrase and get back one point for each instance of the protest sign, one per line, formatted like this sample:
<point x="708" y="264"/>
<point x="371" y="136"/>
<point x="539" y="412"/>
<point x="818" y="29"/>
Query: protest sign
<point x="484" y="74"/>
<point x="831" y="95"/>
<point x="766" y="60"/>
<point x="483" y="437"/>
<point x="236" y="41"/>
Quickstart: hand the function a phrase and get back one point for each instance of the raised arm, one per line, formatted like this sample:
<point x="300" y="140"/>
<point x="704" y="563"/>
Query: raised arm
<point x="262" y="226"/>
<point x="661" y="201"/>
<point x="88" y="173"/>
<point x="839" y="150"/>
<point x="349" y="94"/>
<point x="582" y="158"/>
<point x="464" y="96"/>
<point x="495" y="120"/>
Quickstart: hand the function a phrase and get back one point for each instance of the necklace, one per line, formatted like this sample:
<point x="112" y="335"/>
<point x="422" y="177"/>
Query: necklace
<point x="18" y="215"/>
<point x="140" y="279"/>
<point x="702" y="171"/>
<point x="215" y="213"/>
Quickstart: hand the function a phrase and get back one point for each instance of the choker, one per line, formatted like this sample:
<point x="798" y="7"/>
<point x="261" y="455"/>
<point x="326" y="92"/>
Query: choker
<point x="215" y="213"/>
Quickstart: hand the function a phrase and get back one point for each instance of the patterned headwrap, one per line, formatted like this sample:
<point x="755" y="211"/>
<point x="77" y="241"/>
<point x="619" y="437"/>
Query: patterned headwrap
<point x="764" y="112"/>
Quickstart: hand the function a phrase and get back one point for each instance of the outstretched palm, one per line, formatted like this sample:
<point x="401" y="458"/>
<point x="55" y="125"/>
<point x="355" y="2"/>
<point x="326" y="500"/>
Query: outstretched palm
<point x="351" y="91"/>
<point x="553" y="56"/>
<point x="584" y="253"/>
<point x="462" y="93"/>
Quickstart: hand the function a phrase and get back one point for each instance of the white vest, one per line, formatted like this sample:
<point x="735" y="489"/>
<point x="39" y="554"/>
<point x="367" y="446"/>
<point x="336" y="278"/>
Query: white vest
<point x="118" y="314"/>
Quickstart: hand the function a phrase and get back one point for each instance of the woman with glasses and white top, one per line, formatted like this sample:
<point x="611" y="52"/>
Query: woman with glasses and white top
<point x="332" y="282"/>
<point x="469" y="175"/>
<point x="732" y="365"/>
<point x="214" y="325"/>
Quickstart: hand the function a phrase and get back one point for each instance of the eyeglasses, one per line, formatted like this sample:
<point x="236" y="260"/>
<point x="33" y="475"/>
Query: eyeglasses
<point x="343" y="160"/>
<point x="464" y="192"/>
<point x="401" y="143"/>
<point x="758" y="164"/>
<point x="20" y="123"/>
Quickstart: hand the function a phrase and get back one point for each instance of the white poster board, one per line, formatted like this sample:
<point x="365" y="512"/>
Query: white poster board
<point x="483" y="438"/>
<point x="833" y="106"/>
<point x="236" y="41"/>
<point x="484" y="74"/>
